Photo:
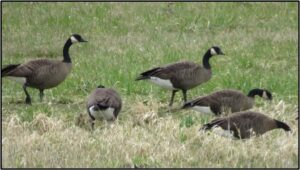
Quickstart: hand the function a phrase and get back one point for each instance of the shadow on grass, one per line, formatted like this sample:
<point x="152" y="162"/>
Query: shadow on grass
<point x="166" y="110"/>
<point x="38" y="102"/>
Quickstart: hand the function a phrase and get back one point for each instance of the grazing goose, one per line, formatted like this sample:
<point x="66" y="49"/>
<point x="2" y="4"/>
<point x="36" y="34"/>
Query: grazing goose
<point x="103" y="103"/>
<point x="42" y="73"/>
<point x="222" y="100"/>
<point x="244" y="124"/>
<point x="183" y="75"/>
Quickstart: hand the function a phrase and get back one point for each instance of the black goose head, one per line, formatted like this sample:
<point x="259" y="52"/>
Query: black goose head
<point x="266" y="94"/>
<point x="100" y="86"/>
<point x="215" y="50"/>
<point x="77" y="38"/>
<point x="260" y="92"/>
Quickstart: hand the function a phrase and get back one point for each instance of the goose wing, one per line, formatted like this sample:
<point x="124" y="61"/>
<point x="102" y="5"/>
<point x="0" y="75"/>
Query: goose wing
<point x="169" y="71"/>
<point x="241" y="124"/>
<point x="30" y="68"/>
<point x="212" y="101"/>
<point x="105" y="98"/>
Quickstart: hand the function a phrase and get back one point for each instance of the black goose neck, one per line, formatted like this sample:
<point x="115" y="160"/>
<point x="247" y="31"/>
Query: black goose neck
<point x="282" y="125"/>
<point x="254" y="92"/>
<point x="205" y="60"/>
<point x="67" y="58"/>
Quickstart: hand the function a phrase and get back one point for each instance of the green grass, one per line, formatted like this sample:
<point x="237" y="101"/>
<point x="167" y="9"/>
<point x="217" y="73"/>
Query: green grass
<point x="260" y="41"/>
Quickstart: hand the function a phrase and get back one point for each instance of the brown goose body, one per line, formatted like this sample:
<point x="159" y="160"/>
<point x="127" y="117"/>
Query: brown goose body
<point x="245" y="124"/>
<point x="42" y="73"/>
<point x="183" y="75"/>
<point x="226" y="100"/>
<point x="103" y="103"/>
<point x="39" y="74"/>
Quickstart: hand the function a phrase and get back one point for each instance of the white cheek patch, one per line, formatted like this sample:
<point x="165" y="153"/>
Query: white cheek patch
<point x="73" y="39"/>
<point x="225" y="133"/>
<point x="161" y="82"/>
<point x="264" y="95"/>
<point x="21" y="80"/>
<point x="213" y="51"/>
<point x="203" y="109"/>
<point x="107" y="114"/>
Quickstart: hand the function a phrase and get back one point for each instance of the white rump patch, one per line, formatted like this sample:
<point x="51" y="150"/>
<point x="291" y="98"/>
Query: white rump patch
<point x="107" y="114"/>
<point x="73" y="39"/>
<point x="225" y="133"/>
<point x="203" y="109"/>
<point x="21" y="80"/>
<point x="213" y="51"/>
<point x="161" y="82"/>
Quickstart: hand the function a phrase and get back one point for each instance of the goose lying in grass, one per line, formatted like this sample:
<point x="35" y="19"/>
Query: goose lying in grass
<point x="226" y="100"/>
<point x="242" y="125"/>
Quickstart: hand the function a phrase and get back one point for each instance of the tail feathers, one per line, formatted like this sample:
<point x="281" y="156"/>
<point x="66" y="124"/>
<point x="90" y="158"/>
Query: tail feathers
<point x="141" y="77"/>
<point x="187" y="105"/>
<point x="282" y="125"/>
<point x="197" y="102"/>
<point x="211" y="124"/>
<point x="8" y="68"/>
<point x="207" y="126"/>
<point x="147" y="74"/>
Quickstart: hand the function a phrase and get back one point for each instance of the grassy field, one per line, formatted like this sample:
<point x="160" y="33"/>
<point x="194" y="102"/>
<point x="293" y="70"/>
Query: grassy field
<point x="260" y="41"/>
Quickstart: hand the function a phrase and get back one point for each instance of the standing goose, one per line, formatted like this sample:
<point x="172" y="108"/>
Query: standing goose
<point x="103" y="103"/>
<point x="42" y="73"/>
<point x="222" y="100"/>
<point x="244" y="124"/>
<point x="183" y="75"/>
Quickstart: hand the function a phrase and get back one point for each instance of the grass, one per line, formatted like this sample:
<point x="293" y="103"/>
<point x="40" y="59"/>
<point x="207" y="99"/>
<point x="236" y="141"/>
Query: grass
<point x="261" y="46"/>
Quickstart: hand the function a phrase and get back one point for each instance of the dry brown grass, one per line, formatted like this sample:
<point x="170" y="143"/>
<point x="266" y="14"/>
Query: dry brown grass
<point x="261" y="45"/>
<point x="144" y="138"/>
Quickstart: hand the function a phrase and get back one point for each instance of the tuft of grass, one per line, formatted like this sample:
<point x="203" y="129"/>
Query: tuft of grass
<point x="261" y="46"/>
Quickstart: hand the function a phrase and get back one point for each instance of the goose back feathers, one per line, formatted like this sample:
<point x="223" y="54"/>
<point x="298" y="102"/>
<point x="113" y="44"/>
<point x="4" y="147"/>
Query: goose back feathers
<point x="103" y="103"/>
<point x="245" y="124"/>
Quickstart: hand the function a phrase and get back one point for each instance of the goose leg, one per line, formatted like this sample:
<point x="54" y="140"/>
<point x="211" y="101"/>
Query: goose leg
<point x="41" y="94"/>
<point x="110" y="124"/>
<point x="92" y="123"/>
<point x="27" y="100"/>
<point x="172" y="97"/>
<point x="184" y="95"/>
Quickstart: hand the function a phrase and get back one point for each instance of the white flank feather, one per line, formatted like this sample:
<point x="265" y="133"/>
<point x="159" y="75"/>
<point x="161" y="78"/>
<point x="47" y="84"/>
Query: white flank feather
<point x="225" y="133"/>
<point x="203" y="109"/>
<point x="161" y="82"/>
<point x="21" y="80"/>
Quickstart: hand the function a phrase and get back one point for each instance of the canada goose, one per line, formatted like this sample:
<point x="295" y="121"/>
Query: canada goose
<point x="220" y="101"/>
<point x="42" y="73"/>
<point x="103" y="103"/>
<point x="183" y="75"/>
<point x="242" y="125"/>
